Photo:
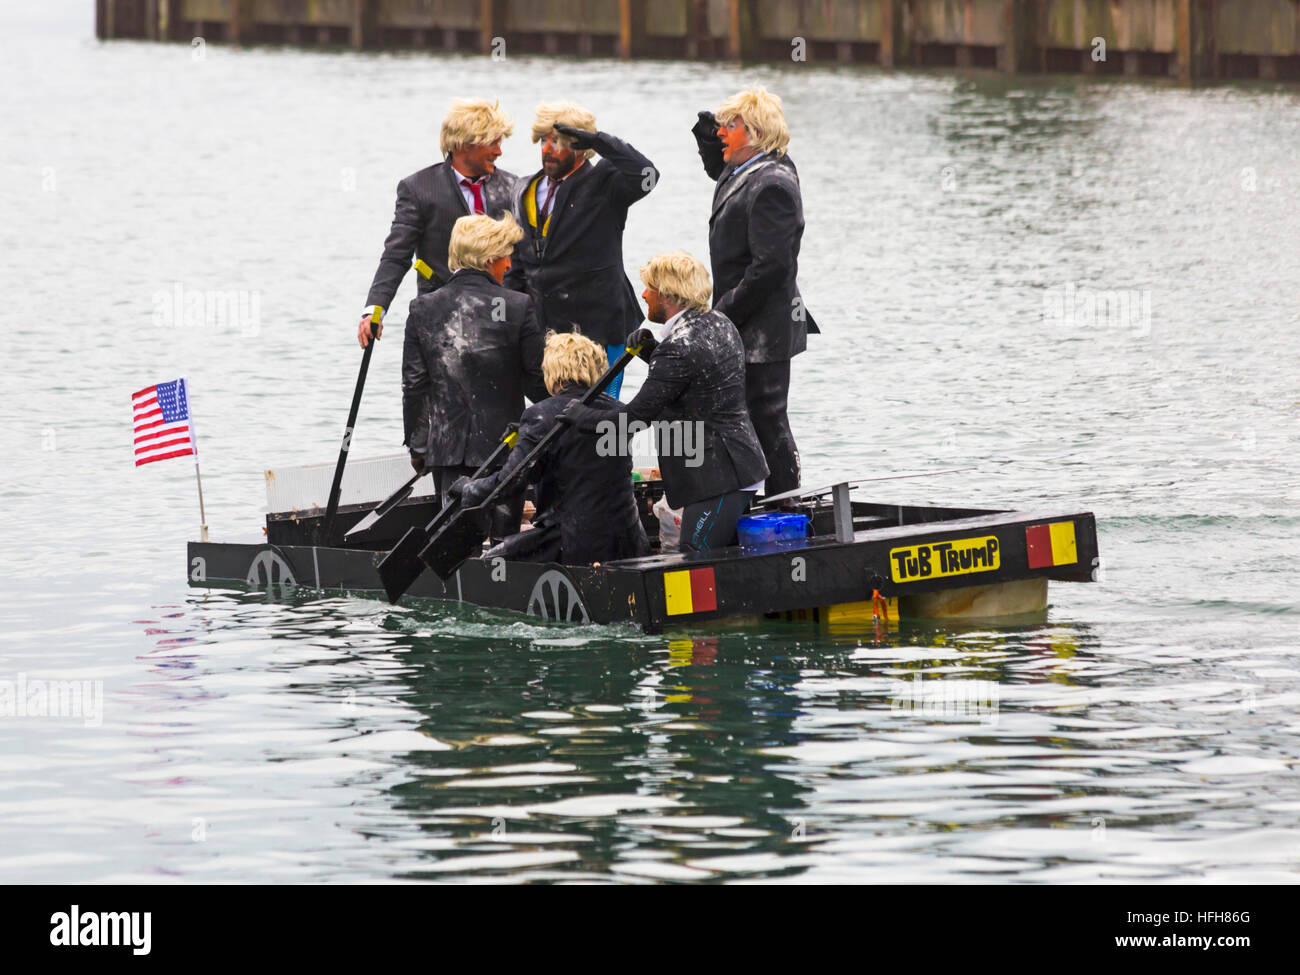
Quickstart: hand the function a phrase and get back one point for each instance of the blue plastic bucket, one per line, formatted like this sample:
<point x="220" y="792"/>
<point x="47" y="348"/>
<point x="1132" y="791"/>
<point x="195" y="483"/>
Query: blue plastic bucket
<point x="772" y="528"/>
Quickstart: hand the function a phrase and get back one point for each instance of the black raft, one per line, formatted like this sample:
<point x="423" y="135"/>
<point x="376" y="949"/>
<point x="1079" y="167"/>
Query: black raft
<point x="926" y="562"/>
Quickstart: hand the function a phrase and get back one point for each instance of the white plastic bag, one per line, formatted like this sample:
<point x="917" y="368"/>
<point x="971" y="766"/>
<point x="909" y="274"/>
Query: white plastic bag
<point x="670" y="525"/>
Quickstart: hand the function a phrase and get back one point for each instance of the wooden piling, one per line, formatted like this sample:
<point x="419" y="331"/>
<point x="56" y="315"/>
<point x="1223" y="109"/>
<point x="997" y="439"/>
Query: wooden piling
<point x="240" y="28"/>
<point x="631" y="28"/>
<point x="742" y="30"/>
<point x="365" y="23"/>
<point x="491" y="24"/>
<point x="895" y="41"/>
<point x="1021" y="49"/>
<point x="1195" y="40"/>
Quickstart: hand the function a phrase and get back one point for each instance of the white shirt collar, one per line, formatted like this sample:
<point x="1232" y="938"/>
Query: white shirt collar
<point x="480" y="180"/>
<point x="662" y="332"/>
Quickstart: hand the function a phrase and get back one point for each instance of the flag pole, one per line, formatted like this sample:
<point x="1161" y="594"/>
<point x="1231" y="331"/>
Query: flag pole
<point x="203" y="518"/>
<point x="198" y="479"/>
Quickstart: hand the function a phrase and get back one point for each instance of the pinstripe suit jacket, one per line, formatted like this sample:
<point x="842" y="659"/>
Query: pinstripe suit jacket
<point x="428" y="203"/>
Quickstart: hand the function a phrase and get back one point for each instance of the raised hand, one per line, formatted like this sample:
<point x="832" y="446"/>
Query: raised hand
<point x="579" y="139"/>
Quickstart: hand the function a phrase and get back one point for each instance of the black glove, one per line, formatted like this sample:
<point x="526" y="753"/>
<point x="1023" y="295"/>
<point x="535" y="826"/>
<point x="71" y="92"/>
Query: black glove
<point x="468" y="492"/>
<point x="644" y="338"/>
<point x="579" y="415"/>
<point x="456" y="489"/>
<point x="706" y="128"/>
<point x="417" y="463"/>
<point x="579" y="139"/>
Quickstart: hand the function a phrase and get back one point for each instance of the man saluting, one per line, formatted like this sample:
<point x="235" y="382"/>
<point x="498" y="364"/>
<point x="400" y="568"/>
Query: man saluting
<point x="429" y="202"/>
<point x="754" y="234"/>
<point x="573" y="212"/>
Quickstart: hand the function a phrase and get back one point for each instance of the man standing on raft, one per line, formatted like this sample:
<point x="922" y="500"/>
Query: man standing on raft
<point x="754" y="233"/>
<point x="465" y="183"/>
<point x="472" y="352"/>
<point x="573" y="213"/>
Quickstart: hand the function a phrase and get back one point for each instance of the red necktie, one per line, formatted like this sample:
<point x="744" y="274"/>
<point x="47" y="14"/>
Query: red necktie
<point x="477" y="190"/>
<point x="554" y="186"/>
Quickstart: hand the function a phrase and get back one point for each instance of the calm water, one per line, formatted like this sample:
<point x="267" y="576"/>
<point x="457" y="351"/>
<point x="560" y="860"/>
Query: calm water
<point x="1146" y="731"/>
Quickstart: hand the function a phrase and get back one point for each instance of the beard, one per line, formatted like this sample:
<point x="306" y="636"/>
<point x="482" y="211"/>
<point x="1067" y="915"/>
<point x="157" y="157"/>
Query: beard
<point x="558" y="165"/>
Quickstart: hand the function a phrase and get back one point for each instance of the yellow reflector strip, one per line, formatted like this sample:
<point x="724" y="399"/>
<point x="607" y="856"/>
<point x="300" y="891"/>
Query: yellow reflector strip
<point x="1063" y="548"/>
<point x="677" y="593"/>
<point x="423" y="268"/>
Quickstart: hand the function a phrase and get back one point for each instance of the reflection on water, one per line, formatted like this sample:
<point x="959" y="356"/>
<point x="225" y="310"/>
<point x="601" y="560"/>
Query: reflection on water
<point x="438" y="743"/>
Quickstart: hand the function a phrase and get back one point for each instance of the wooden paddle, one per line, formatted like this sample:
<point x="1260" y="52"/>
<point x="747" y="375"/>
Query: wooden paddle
<point x="462" y="536"/>
<point x="402" y="566"/>
<point x="326" y="530"/>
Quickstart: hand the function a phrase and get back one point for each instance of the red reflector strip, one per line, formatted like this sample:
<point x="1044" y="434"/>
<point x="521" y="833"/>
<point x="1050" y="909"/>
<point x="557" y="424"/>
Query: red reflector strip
<point x="704" y="597"/>
<point x="1038" y="546"/>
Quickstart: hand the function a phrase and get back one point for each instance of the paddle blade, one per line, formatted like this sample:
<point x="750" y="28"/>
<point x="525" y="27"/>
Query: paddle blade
<point x="382" y="511"/>
<point x="459" y="539"/>
<point x="402" y="566"/>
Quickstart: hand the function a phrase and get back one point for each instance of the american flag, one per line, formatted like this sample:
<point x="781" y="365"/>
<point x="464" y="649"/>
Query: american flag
<point x="162" y="423"/>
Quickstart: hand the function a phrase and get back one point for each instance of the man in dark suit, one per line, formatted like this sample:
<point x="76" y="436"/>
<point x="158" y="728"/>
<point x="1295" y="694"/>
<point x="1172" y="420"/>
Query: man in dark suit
<point x="473" y="351"/>
<point x="429" y="202"/>
<point x="697" y="376"/>
<point x="754" y="233"/>
<point x="573" y="213"/>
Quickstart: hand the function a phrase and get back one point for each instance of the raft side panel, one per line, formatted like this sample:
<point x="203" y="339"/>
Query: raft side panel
<point x="931" y="556"/>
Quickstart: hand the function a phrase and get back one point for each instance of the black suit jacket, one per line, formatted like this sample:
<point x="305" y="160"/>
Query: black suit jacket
<point x="589" y="497"/>
<point x="754" y="232"/>
<point x="472" y="352"/>
<point x="575" y="272"/>
<point x="697" y="374"/>
<point x="428" y="204"/>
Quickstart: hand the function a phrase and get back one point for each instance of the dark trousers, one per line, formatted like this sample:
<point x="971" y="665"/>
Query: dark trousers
<point x="506" y="513"/>
<point x="767" y="385"/>
<point x="711" y="523"/>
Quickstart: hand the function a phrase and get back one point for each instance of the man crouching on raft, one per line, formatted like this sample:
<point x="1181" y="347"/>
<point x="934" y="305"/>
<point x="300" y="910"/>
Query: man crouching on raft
<point x="586" y="508"/>
<point x="697" y="375"/>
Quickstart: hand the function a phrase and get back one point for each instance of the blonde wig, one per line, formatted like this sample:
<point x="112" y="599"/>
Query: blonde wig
<point x="679" y="276"/>
<point x="760" y="110"/>
<point x="550" y="114"/>
<point x="478" y="240"/>
<point x="571" y="359"/>
<point x="473" y="123"/>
